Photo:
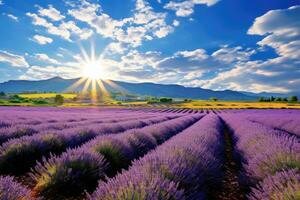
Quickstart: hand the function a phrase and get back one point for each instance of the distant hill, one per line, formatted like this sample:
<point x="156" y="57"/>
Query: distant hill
<point x="58" y="84"/>
<point x="266" y="94"/>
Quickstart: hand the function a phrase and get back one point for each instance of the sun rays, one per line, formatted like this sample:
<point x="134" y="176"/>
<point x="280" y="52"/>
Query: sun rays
<point x="93" y="81"/>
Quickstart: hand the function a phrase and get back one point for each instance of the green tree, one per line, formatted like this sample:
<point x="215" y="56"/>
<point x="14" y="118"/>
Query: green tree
<point x="213" y="99"/>
<point x="294" y="99"/>
<point x="165" y="100"/>
<point x="278" y="99"/>
<point x="261" y="99"/>
<point x="272" y="98"/>
<point x="59" y="99"/>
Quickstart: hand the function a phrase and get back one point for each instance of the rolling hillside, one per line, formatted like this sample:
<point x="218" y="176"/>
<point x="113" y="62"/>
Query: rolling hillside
<point x="58" y="84"/>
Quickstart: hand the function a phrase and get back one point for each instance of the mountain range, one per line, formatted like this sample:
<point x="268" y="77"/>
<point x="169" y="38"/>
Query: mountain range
<point x="59" y="85"/>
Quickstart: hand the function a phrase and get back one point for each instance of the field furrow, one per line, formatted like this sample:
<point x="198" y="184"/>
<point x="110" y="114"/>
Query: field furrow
<point x="266" y="154"/>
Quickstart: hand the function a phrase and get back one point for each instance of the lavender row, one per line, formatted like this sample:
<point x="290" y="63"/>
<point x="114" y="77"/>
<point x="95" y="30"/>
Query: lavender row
<point x="77" y="170"/>
<point x="17" y="118"/>
<point x="182" y="168"/>
<point x="264" y="151"/>
<point x="18" y="155"/>
<point x="17" y="131"/>
<point x="34" y="116"/>
<point x="289" y="123"/>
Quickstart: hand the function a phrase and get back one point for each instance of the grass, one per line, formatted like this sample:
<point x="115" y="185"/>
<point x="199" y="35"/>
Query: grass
<point x="46" y="95"/>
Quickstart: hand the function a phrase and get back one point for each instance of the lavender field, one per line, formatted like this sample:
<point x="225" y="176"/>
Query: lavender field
<point x="149" y="154"/>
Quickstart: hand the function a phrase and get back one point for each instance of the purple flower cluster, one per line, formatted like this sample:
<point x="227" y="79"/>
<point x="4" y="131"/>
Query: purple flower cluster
<point x="10" y="132"/>
<point x="117" y="150"/>
<point x="57" y="181"/>
<point x="139" y="185"/>
<point x="265" y="151"/>
<point x="29" y="149"/>
<point x="287" y="120"/>
<point x="12" y="190"/>
<point x="282" y="185"/>
<point x="188" y="164"/>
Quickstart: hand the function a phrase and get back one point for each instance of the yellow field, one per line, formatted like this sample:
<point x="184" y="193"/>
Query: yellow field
<point x="202" y="104"/>
<point x="197" y="104"/>
<point x="46" y="95"/>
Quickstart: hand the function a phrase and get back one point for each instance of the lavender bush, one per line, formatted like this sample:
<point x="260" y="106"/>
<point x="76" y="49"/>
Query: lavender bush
<point x="12" y="190"/>
<point x="282" y="185"/>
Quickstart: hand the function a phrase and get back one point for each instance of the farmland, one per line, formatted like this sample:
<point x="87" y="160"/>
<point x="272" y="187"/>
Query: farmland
<point x="46" y="95"/>
<point x="148" y="153"/>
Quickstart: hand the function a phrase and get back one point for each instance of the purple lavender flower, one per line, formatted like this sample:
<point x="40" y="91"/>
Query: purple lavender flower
<point x="141" y="186"/>
<point x="68" y="175"/>
<point x="12" y="190"/>
<point x="282" y="185"/>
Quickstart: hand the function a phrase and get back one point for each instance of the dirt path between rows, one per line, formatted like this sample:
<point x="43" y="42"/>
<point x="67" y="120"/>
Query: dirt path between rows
<point x="231" y="188"/>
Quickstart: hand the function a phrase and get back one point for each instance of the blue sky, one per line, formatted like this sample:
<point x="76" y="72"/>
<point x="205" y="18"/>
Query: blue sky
<point x="217" y="44"/>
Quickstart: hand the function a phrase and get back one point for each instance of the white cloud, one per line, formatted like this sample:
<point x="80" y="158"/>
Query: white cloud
<point x="65" y="29"/>
<point x="273" y="75"/>
<point x="163" y="31"/>
<point x="51" y="13"/>
<point x="145" y="24"/>
<point x="1" y="2"/>
<point x="13" y="17"/>
<point x="186" y="8"/>
<point x="51" y="28"/>
<point x="233" y="54"/>
<point x="83" y="34"/>
<point x="45" y="58"/>
<point x="188" y="61"/>
<point x="226" y="68"/>
<point x="176" y="23"/>
<point x="46" y="72"/>
<point x="198" y="54"/>
<point x="115" y="48"/>
<point x="42" y="39"/>
<point x="13" y="59"/>
<point x="281" y="29"/>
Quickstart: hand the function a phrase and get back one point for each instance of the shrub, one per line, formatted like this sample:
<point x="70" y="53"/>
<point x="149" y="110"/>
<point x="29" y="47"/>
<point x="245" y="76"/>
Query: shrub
<point x="213" y="99"/>
<point x="165" y="100"/>
<point x="68" y="175"/>
<point x="59" y="99"/>
<point x="117" y="153"/>
<point x="40" y="102"/>
<point x="141" y="143"/>
<point x="18" y="155"/>
<point x="294" y="99"/>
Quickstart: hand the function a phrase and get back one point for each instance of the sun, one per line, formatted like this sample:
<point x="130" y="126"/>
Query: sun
<point x="92" y="70"/>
